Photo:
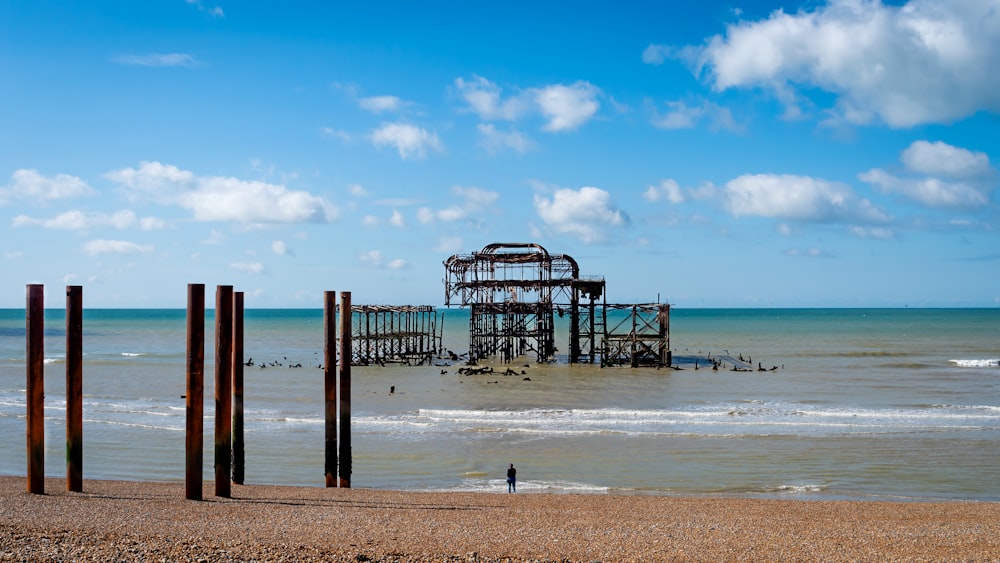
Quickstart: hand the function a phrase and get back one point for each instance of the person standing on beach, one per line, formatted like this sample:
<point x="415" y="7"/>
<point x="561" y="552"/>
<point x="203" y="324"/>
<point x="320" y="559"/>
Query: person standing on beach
<point x="511" y="479"/>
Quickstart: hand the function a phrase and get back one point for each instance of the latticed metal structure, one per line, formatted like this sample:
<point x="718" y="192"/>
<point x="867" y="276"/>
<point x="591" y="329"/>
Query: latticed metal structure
<point x="640" y="337"/>
<point x="515" y="291"/>
<point x="404" y="334"/>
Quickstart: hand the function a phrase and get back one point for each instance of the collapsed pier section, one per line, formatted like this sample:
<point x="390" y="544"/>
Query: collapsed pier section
<point x="400" y="334"/>
<point x="515" y="290"/>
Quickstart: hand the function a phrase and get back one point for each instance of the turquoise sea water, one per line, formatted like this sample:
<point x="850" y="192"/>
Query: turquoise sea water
<point x="864" y="403"/>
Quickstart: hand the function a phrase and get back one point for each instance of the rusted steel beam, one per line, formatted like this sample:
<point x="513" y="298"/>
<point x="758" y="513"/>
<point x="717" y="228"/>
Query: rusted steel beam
<point x="223" y="390"/>
<point x="330" y="385"/>
<point x="345" y="389"/>
<point x="194" y="439"/>
<point x="239" y="450"/>
<point x="35" y="376"/>
<point x="74" y="388"/>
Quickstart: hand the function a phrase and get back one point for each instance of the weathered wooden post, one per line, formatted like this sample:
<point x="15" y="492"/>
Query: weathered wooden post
<point x="223" y="390"/>
<point x="239" y="451"/>
<point x="345" y="388"/>
<point x="195" y="397"/>
<point x="74" y="388"/>
<point x="35" y="375"/>
<point x="330" y="386"/>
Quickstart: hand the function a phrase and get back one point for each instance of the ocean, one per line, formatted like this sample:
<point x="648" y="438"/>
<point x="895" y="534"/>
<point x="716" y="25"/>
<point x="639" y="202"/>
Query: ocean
<point x="887" y="404"/>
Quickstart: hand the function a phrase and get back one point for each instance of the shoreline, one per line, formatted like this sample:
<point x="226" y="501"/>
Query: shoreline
<point x="137" y="520"/>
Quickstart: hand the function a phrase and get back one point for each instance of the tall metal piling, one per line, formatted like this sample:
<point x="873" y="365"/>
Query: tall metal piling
<point x="345" y="389"/>
<point x="194" y="439"/>
<point x="35" y="379"/>
<point x="223" y="390"/>
<point x="74" y="388"/>
<point x="330" y="385"/>
<point x="239" y="450"/>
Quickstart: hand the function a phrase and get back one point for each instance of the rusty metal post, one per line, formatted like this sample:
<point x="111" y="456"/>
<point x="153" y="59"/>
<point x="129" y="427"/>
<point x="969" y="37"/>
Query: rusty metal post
<point x="223" y="390"/>
<point x="345" y="389"/>
<point x="194" y="439"/>
<point x="74" y="388"/>
<point x="35" y="375"/>
<point x="663" y="316"/>
<point x="239" y="450"/>
<point x="330" y="385"/>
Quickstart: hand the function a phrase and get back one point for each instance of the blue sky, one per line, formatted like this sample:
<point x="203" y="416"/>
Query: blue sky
<point x="711" y="154"/>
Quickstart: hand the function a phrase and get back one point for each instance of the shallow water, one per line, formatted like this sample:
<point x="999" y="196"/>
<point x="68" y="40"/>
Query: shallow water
<point x="873" y="403"/>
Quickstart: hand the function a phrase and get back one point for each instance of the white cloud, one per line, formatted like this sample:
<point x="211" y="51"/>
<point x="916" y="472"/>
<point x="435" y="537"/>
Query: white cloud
<point x="79" y="221"/>
<point x="357" y="190"/>
<point x="29" y="184"/>
<point x="679" y="115"/>
<point x="564" y="107"/>
<point x="799" y="198"/>
<point x="470" y="202"/>
<point x="494" y="141"/>
<point x="336" y="134"/>
<point x="942" y="159"/>
<point x="379" y="104"/>
<point x="280" y="248"/>
<point x="102" y="246"/>
<point x="484" y="99"/>
<point x="921" y="62"/>
<point x="668" y="189"/>
<point x="376" y="259"/>
<point x="655" y="54"/>
<point x="585" y="213"/>
<point x="397" y="219"/>
<point x="370" y="221"/>
<point x="568" y="107"/>
<point x="217" y="198"/>
<point x="248" y="267"/>
<point x="938" y="175"/>
<point x="411" y="141"/>
<point x="158" y="59"/>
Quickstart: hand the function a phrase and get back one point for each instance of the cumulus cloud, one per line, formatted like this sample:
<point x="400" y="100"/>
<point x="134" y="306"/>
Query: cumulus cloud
<point x="103" y="246"/>
<point x="30" y="184"/>
<point x="79" y="221"/>
<point x="379" y="104"/>
<point x="376" y="259"/>
<point x="218" y="198"/>
<point x="586" y="213"/>
<point x="494" y="140"/>
<point x="938" y="175"/>
<point x="680" y="115"/>
<point x="668" y="190"/>
<point x="411" y="141"/>
<point x="470" y="202"/>
<point x="564" y="107"/>
<point x="158" y="59"/>
<point x="921" y="62"/>
<point x="567" y="107"/>
<point x="797" y="198"/>
<point x="280" y="248"/>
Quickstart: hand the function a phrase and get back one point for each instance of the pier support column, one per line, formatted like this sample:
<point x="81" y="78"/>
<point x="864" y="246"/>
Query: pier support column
<point x="223" y="390"/>
<point x="74" y="388"/>
<point x="194" y="438"/>
<point x="345" y="389"/>
<point x="330" y="386"/>
<point x="239" y="450"/>
<point x="35" y="379"/>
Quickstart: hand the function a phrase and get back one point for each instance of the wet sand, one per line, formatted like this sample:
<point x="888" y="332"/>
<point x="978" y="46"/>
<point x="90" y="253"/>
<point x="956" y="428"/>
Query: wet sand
<point x="141" y="521"/>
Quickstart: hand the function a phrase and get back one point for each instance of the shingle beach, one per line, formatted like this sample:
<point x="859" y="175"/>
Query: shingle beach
<point x="144" y="521"/>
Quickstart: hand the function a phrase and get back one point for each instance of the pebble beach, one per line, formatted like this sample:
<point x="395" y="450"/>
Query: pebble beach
<point x="152" y="521"/>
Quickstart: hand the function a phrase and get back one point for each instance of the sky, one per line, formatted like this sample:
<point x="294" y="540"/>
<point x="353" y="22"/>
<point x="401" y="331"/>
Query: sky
<point x="810" y="153"/>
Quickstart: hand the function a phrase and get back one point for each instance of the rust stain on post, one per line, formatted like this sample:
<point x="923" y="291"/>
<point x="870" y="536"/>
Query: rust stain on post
<point x="345" y="388"/>
<point x="223" y="390"/>
<point x="74" y="388"/>
<point x="35" y="376"/>
<point x="239" y="451"/>
<point x="195" y="397"/>
<point x="330" y="386"/>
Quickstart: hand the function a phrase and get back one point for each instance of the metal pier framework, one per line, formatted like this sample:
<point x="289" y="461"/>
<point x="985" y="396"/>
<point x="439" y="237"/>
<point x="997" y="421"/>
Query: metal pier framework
<point x="515" y="291"/>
